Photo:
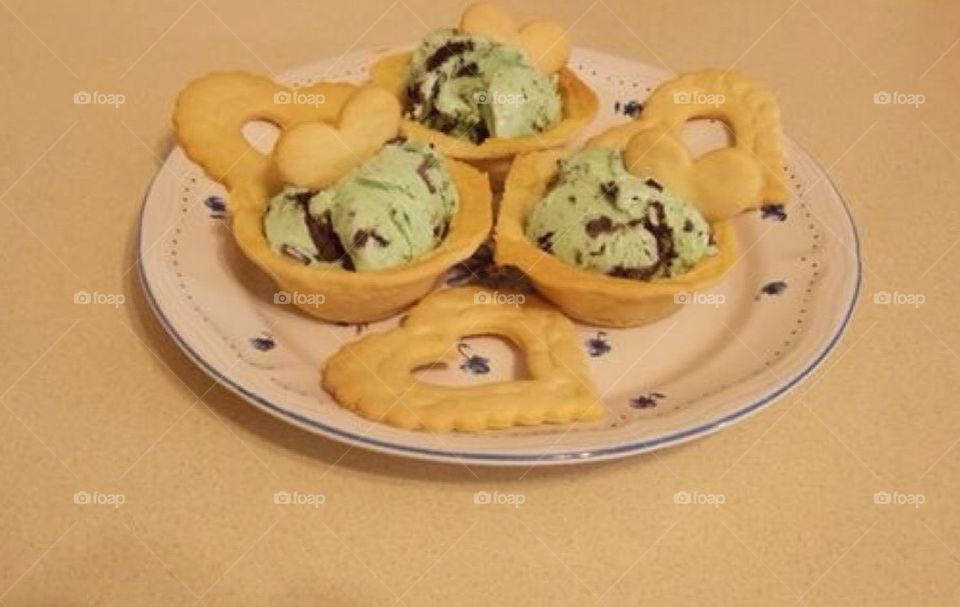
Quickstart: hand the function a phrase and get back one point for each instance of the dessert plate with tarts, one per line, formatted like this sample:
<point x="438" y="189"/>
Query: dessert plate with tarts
<point x="706" y="357"/>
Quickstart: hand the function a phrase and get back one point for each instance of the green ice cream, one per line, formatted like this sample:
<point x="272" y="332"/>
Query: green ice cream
<point x="473" y="88"/>
<point x="390" y="210"/>
<point x="601" y="218"/>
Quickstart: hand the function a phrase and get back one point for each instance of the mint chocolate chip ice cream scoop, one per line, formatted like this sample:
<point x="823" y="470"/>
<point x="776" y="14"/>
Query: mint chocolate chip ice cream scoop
<point x="600" y="217"/>
<point x="387" y="212"/>
<point x="471" y="87"/>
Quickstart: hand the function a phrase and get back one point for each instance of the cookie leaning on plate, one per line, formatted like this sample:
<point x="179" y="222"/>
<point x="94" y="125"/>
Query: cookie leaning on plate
<point x="722" y="182"/>
<point x="374" y="375"/>
<point x="640" y="254"/>
<point x="491" y="74"/>
<point x="321" y="141"/>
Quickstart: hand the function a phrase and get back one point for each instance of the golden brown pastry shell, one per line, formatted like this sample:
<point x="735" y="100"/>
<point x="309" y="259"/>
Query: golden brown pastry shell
<point x="494" y="155"/>
<point x="208" y="119"/>
<point x="587" y="296"/>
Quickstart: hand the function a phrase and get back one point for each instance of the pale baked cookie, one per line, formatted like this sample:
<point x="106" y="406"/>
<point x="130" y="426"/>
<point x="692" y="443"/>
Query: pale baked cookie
<point x="209" y="117"/>
<point x="211" y="112"/>
<point x="374" y="375"/>
<point x="317" y="154"/>
<point x="545" y="42"/>
<point x="722" y="182"/>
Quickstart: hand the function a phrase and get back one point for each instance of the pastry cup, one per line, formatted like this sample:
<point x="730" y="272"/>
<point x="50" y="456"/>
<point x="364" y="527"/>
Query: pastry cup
<point x="587" y="296"/>
<point x="495" y="155"/>
<point x="208" y="119"/>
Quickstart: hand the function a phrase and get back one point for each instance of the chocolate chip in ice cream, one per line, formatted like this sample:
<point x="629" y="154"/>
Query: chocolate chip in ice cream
<point x="610" y="191"/>
<point x="329" y="247"/>
<point x="599" y="225"/>
<point x="362" y="237"/>
<point x="448" y="50"/>
<point x="545" y="241"/>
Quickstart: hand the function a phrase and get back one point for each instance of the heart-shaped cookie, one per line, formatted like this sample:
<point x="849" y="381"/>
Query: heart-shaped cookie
<point x="315" y="155"/>
<point x="211" y="112"/>
<point x="722" y="182"/>
<point x="374" y="376"/>
<point x="545" y="42"/>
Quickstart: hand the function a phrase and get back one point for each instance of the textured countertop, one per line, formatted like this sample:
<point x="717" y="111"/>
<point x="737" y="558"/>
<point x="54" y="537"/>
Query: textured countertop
<point x="98" y="399"/>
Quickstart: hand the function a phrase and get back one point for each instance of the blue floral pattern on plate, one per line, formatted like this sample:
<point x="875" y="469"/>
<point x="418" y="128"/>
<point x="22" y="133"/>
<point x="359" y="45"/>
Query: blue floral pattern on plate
<point x="647" y="401"/>
<point x="263" y="342"/>
<point x="773" y="212"/>
<point x="631" y="108"/>
<point x="773" y="288"/>
<point x="598" y="345"/>
<point x="473" y="364"/>
<point x="217" y="207"/>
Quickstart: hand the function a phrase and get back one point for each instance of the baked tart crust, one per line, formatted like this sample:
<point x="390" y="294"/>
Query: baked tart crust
<point x="208" y="120"/>
<point x="495" y="154"/>
<point x="587" y="296"/>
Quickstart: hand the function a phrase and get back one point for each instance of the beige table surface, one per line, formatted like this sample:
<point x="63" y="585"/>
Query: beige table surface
<point x="98" y="399"/>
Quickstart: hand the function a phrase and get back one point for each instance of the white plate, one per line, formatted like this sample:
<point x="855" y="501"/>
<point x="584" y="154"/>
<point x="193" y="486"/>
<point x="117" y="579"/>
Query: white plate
<point x="784" y="306"/>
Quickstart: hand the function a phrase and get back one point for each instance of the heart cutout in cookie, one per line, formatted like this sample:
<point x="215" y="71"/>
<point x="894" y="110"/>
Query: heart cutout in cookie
<point x="722" y="182"/>
<point x="316" y="154"/>
<point x="375" y="376"/>
<point x="212" y="111"/>
<point x="545" y="42"/>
